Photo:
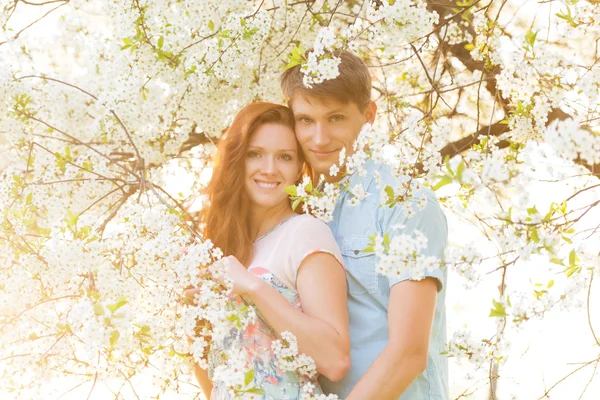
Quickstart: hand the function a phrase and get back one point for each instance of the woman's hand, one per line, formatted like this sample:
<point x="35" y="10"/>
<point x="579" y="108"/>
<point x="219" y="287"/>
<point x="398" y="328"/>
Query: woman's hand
<point x="244" y="282"/>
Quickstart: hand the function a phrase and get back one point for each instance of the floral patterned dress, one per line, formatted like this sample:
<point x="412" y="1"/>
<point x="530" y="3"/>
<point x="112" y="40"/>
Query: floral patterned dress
<point x="278" y="254"/>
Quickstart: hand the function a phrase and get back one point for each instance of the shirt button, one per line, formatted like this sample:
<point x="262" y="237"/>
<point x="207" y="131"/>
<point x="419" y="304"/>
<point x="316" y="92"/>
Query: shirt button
<point x="356" y="252"/>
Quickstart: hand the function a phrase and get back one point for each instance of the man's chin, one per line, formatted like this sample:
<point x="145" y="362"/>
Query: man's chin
<point x="322" y="168"/>
<point x="324" y="171"/>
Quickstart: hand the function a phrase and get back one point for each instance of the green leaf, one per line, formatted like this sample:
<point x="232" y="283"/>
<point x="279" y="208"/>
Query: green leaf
<point x="572" y="269"/>
<point x="291" y="65"/>
<point x="443" y="182"/>
<point x="391" y="196"/>
<point x="573" y="259"/>
<point x="550" y="284"/>
<point x="71" y="219"/>
<point x="532" y="210"/>
<point x="211" y="25"/>
<point x="249" y="377"/>
<point x="295" y="204"/>
<point x="498" y="310"/>
<point x="232" y="318"/>
<point x="557" y="261"/>
<point x="248" y="33"/>
<point x="296" y="57"/>
<point x="98" y="309"/>
<point x="68" y="153"/>
<point x="308" y="188"/>
<point x="255" y="390"/>
<point x="114" y="337"/>
<point x="459" y="170"/>
<point x="448" y="167"/>
<point x="120" y="303"/>
<point x="530" y="37"/>
<point x="291" y="190"/>
<point x="161" y="41"/>
<point x="534" y="236"/>
<point x="469" y="47"/>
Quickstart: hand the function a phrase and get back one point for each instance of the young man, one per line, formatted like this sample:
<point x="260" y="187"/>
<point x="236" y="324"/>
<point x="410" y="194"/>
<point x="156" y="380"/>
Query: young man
<point x="397" y="326"/>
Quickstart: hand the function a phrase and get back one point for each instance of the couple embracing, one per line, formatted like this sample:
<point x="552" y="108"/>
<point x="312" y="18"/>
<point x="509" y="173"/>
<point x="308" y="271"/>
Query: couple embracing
<point x="370" y="336"/>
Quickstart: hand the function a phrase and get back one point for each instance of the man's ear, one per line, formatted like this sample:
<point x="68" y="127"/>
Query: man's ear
<point x="371" y="112"/>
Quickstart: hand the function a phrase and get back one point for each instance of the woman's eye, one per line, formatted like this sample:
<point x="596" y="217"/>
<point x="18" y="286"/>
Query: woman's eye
<point x="305" y="120"/>
<point x="286" y="157"/>
<point x="252" y="154"/>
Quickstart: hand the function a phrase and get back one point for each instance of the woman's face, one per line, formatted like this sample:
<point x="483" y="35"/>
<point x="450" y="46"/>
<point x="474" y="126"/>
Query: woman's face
<point x="272" y="163"/>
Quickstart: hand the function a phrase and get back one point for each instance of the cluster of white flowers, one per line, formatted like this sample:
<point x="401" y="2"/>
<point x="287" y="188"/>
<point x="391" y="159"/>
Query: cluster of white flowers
<point x="486" y="46"/>
<point x="369" y="145"/>
<point x="409" y="19"/>
<point x="456" y="33"/>
<point x="232" y="374"/>
<point x="287" y="357"/>
<point x="321" y="63"/>
<point x="571" y="141"/>
<point x="319" y="203"/>
<point x="466" y="260"/>
<point x="308" y="393"/>
<point x="335" y="168"/>
<point x="478" y="352"/>
<point x="402" y="255"/>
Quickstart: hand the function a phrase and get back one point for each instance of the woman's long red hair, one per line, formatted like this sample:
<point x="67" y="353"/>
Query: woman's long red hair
<point x="226" y="217"/>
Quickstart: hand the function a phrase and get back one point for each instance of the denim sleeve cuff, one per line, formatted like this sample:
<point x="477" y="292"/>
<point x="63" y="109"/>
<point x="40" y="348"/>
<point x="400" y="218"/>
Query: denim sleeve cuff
<point x="438" y="274"/>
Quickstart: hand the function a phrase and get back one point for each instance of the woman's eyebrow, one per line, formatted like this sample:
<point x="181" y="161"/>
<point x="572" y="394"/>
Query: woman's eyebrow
<point x="262" y="148"/>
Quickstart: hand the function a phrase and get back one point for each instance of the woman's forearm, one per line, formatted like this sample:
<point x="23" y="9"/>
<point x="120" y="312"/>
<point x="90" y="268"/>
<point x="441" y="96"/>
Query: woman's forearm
<point x="202" y="378"/>
<point x="328" y="348"/>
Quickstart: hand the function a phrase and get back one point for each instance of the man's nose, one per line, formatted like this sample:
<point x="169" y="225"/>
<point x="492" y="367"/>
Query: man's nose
<point x="320" y="138"/>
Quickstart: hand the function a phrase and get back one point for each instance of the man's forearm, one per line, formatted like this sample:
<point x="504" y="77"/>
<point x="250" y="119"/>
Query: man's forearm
<point x="390" y="375"/>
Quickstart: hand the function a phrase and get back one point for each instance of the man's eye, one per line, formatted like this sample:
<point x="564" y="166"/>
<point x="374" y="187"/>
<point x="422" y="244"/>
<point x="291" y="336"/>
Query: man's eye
<point x="337" y="118"/>
<point x="305" y="120"/>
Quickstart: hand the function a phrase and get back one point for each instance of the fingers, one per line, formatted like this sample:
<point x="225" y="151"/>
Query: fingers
<point x="189" y="296"/>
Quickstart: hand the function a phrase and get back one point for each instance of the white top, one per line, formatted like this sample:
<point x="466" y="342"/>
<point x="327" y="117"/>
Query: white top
<point x="282" y="250"/>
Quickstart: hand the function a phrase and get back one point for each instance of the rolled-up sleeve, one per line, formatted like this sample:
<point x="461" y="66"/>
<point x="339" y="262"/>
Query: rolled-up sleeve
<point x="431" y="222"/>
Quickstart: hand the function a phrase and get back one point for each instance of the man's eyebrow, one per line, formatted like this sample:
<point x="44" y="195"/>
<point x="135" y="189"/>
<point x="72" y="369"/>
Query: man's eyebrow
<point x="336" y="111"/>
<point x="301" y="115"/>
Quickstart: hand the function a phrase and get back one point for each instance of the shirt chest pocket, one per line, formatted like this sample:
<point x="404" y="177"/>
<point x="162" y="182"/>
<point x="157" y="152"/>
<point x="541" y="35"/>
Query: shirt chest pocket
<point x="360" y="266"/>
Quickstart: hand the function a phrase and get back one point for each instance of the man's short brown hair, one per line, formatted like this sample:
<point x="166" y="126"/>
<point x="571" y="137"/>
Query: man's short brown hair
<point x="352" y="85"/>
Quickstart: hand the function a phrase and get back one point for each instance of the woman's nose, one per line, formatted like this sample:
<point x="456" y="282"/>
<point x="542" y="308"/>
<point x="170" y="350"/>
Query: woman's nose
<point x="268" y="165"/>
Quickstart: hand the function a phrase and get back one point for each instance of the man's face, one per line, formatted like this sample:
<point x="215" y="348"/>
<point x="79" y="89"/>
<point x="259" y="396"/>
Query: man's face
<point x="324" y="126"/>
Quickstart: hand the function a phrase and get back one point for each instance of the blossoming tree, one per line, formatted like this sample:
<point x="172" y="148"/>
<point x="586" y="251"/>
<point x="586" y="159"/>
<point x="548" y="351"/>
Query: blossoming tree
<point x="103" y="104"/>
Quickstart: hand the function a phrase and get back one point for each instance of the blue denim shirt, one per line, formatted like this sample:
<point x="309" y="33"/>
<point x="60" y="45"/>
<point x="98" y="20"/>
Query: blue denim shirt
<point x="369" y="293"/>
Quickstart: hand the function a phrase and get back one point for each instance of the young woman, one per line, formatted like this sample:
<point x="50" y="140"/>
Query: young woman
<point x="288" y="265"/>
